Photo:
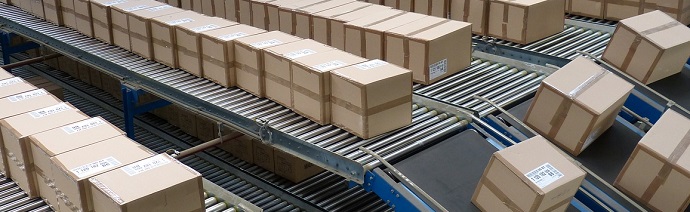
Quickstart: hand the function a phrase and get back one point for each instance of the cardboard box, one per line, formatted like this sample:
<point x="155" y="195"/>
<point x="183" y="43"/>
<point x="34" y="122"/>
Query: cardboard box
<point x="197" y="6"/>
<point x="293" y="168"/>
<point x="472" y="11"/>
<point x="24" y="5"/>
<point x="244" y="11"/>
<point x="219" y="8"/>
<point x="72" y="169"/>
<point x="218" y="52"/>
<point x="249" y="63"/>
<point x="101" y="19"/>
<point x="649" y="47"/>
<point x="60" y="140"/>
<point x="69" y="18"/>
<point x="207" y="7"/>
<point x="140" y="29"/>
<point x="84" y="73"/>
<point x="304" y="16"/>
<point x="174" y="3"/>
<point x="241" y="147"/>
<point x="588" y="8"/>
<point x="186" y="4"/>
<point x="674" y="8"/>
<point x="4" y="74"/>
<point x="277" y="63"/>
<point x="329" y="25"/>
<point x="232" y="10"/>
<point x="311" y="83"/>
<point x="119" y="16"/>
<point x="272" y="14"/>
<point x="529" y="176"/>
<point x="405" y="5"/>
<point x="82" y="14"/>
<point x="428" y="38"/>
<point x="371" y="98"/>
<point x="188" y="39"/>
<point x="657" y="173"/>
<point x="37" y="8"/>
<point x="263" y="155"/>
<point x="206" y="129"/>
<point x="163" y="35"/>
<point x="364" y="37"/>
<point x="141" y="187"/>
<point x="69" y="66"/>
<point x="576" y="104"/>
<point x="525" y="21"/>
<point x="287" y="14"/>
<point x="622" y="9"/>
<point x="16" y="131"/>
<point x="438" y="8"/>
<point x="14" y="85"/>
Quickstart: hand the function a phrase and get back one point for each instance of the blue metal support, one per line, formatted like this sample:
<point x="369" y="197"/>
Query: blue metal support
<point x="396" y="195"/>
<point x="8" y="49"/>
<point x="130" y="99"/>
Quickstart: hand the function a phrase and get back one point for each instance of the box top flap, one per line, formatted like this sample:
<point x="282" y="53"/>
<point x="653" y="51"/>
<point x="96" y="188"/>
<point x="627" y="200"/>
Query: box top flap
<point x="44" y="119"/>
<point x="300" y="4"/>
<point x="232" y="32"/>
<point x="132" y="6"/>
<point x="374" y="18"/>
<point x="75" y="135"/>
<point x="299" y="49"/>
<point x="157" y="11"/>
<point x="324" y="6"/>
<point x="25" y="102"/>
<point x="369" y="72"/>
<point x="178" y="18"/>
<point x="206" y="23"/>
<point x="659" y="28"/>
<point x="671" y="134"/>
<point x="14" y="85"/>
<point x="327" y="61"/>
<point x="268" y="39"/>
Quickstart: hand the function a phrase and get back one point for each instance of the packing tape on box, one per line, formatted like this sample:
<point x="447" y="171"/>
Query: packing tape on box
<point x="276" y="79"/>
<point x="499" y="194"/>
<point x="217" y="62"/>
<point x="294" y="14"/>
<point x="562" y="111"/>
<point x="99" y="23"/>
<point x="311" y="94"/>
<point x="665" y="171"/>
<point x="138" y="36"/>
<point x="638" y="39"/>
<point x="187" y="52"/>
<point x="120" y="29"/>
<point x="373" y="110"/>
<point x="406" y="41"/>
<point x="247" y="68"/>
<point x="161" y="42"/>
<point x="106" y="190"/>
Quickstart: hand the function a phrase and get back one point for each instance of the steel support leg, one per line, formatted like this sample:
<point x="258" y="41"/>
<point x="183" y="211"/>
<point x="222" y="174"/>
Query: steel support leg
<point x="8" y="49"/>
<point x="130" y="99"/>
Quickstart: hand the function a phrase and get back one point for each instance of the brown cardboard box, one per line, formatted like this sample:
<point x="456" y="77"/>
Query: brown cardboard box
<point x="219" y="8"/>
<point x="119" y="15"/>
<point x="365" y="36"/>
<point x="187" y="122"/>
<point x="263" y="155"/>
<point x="95" y="78"/>
<point x="406" y="5"/>
<point x="371" y="98"/>
<point x="4" y="74"/>
<point x="197" y="6"/>
<point x="529" y="176"/>
<point x="588" y="8"/>
<point x="72" y="169"/>
<point x="272" y="14"/>
<point x="101" y="18"/>
<point x="69" y="18"/>
<point x="37" y="8"/>
<point x="207" y="8"/>
<point x="294" y="168"/>
<point x="329" y="25"/>
<point x="53" y="12"/>
<point x="24" y="5"/>
<point x="311" y="83"/>
<point x="186" y="4"/>
<point x="141" y="187"/>
<point x="243" y="10"/>
<point x="657" y="173"/>
<point x="674" y="8"/>
<point x="525" y="21"/>
<point x="232" y="10"/>
<point x="140" y="29"/>
<point x="84" y="73"/>
<point x="63" y="139"/>
<point x="206" y="129"/>
<point x="277" y="63"/>
<point x="174" y="3"/>
<point x="14" y="85"/>
<point x="471" y="11"/>
<point x="163" y="35"/>
<point x="82" y="13"/>
<point x="249" y="63"/>
<point x="69" y="66"/>
<point x="241" y="147"/>
<point x="576" y="104"/>
<point x="438" y="8"/>
<point x="428" y="38"/>
<point x="16" y="131"/>
<point x="287" y="14"/>
<point x="187" y="36"/>
<point x="622" y="9"/>
<point x="649" y="47"/>
<point x="218" y="52"/>
<point x="304" y="16"/>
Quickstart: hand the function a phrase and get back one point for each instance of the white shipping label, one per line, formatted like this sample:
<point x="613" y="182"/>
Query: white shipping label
<point x="10" y="81"/>
<point x="266" y="43"/>
<point x="95" y="167"/>
<point x="154" y="9"/>
<point x="27" y="95"/>
<point x="371" y="64"/>
<point x="139" y="7"/>
<point x="329" y="65"/>
<point x="437" y="69"/>
<point x="145" y="165"/>
<point x="205" y="27"/>
<point x="111" y="3"/>
<point x="232" y="36"/>
<point x="544" y="175"/>
<point x="83" y="125"/>
<point x="299" y="53"/>
<point x="179" y="21"/>
<point x="50" y="110"/>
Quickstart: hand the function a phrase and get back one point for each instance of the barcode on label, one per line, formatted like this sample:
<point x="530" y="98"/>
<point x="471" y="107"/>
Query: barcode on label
<point x="96" y="166"/>
<point x="437" y="69"/>
<point x="179" y="21"/>
<point x="27" y="95"/>
<point x="145" y="165"/>
<point x="83" y="125"/>
<point x="299" y="53"/>
<point x="544" y="175"/>
<point x="266" y="43"/>
<point x="232" y="36"/>
<point x="135" y="8"/>
<point x="154" y="9"/>
<point x="205" y="27"/>
<point x="50" y="110"/>
<point x="111" y="3"/>
<point x="371" y="64"/>
<point x="10" y="81"/>
<point x="329" y="65"/>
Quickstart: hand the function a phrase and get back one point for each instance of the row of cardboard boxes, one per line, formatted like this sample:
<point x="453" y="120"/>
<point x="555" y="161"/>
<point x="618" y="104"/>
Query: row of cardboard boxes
<point x="618" y="10"/>
<point x="78" y="163"/>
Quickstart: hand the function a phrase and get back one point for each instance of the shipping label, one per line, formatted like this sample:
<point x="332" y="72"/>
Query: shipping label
<point x="83" y="125"/>
<point x="179" y="21"/>
<point x="262" y="44"/>
<point x="50" y="110"/>
<point x="145" y="165"/>
<point x="232" y="36"/>
<point x="438" y="69"/>
<point x="329" y="65"/>
<point x="111" y="3"/>
<point x="95" y="167"/>
<point x="299" y="53"/>
<point x="159" y="8"/>
<point x="10" y="81"/>
<point x="27" y="95"/>
<point x="139" y="7"/>
<point x="205" y="28"/>
<point x="371" y="64"/>
<point x="544" y="175"/>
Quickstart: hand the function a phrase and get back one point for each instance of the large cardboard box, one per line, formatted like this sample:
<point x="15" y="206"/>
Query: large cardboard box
<point x="529" y="176"/>
<point x="218" y="52"/>
<point x="140" y="29"/>
<point x="63" y="139"/>
<point x="197" y="6"/>
<point x="406" y="5"/>
<point x="471" y="11"/>
<point x="588" y="8"/>
<point x="243" y="10"/>
<point x="293" y="168"/>
<point x="422" y="46"/>
<point x="188" y="39"/>
<point x="187" y="122"/>
<point x="72" y="169"/>
<point x="311" y="83"/>
<point x="273" y="14"/>
<point x="119" y="16"/>
<point x="69" y="66"/>
<point x="232" y="10"/>
<point x="438" y="8"/>
<point x="101" y="18"/>
<point x="16" y="131"/>
<point x="69" y="17"/>
<point x="14" y="85"/>
<point x="649" y="47"/>
<point x="84" y="73"/>
<point x="622" y="9"/>
<point x="304" y="16"/>
<point x="37" y="8"/>
<point x="658" y="171"/>
<point x="159" y="183"/>
<point x="174" y="3"/>
<point x="53" y="11"/>
<point x="287" y="14"/>
<point x="163" y="35"/>
<point x="525" y="21"/>
<point x="674" y="8"/>
<point x="207" y="7"/>
<point x="82" y="13"/>
<point x="241" y="146"/>
<point x="365" y="36"/>
<point x="24" y="5"/>
<point x="329" y="25"/>
<point x="186" y="4"/>
<point x="249" y="63"/>
<point x="277" y="63"/>
<point x="219" y="8"/>
<point x="263" y="155"/>
<point x="371" y="98"/>
<point x="576" y="104"/>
